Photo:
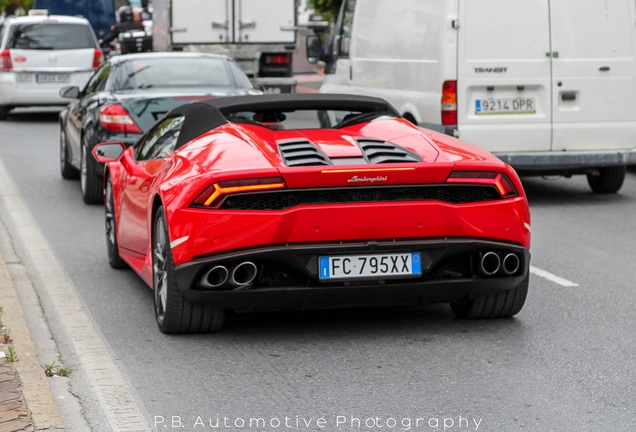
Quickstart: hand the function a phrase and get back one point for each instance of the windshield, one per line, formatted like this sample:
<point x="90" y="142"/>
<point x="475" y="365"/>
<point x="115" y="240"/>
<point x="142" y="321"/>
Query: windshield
<point x="306" y="118"/>
<point x="161" y="72"/>
<point x="49" y="36"/>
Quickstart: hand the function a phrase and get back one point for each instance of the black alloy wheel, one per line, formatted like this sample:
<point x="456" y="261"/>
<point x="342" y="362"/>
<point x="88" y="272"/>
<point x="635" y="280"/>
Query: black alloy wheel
<point x="174" y="313"/>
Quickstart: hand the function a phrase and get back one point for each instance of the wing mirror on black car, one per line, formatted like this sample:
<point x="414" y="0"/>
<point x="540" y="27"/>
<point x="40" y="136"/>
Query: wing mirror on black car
<point x="70" y="92"/>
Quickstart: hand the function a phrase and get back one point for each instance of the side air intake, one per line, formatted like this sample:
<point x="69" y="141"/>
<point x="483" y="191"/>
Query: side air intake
<point x="378" y="152"/>
<point x="301" y="153"/>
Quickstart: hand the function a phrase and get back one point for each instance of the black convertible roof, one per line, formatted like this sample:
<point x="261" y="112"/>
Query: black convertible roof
<point x="201" y="117"/>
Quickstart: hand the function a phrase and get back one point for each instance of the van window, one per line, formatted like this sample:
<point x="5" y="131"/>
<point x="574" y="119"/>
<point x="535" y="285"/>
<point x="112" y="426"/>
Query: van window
<point x="47" y="36"/>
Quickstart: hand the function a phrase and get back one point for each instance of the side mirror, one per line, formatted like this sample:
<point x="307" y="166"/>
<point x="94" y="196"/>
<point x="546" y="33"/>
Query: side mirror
<point x="108" y="151"/>
<point x="70" y="92"/>
<point x="313" y="49"/>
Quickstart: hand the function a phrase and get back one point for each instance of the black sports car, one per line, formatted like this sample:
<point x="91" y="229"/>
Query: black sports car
<point x="127" y="94"/>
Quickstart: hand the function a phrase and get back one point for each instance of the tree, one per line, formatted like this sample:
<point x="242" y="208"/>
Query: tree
<point x="24" y="4"/>
<point x="327" y="8"/>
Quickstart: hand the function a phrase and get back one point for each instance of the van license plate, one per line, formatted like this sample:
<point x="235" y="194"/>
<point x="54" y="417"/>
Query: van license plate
<point x="505" y="106"/>
<point x="46" y="78"/>
<point x="371" y="265"/>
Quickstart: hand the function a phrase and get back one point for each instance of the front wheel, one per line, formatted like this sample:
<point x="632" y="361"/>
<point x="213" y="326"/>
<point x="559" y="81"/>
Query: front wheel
<point x="91" y="182"/>
<point x="175" y="314"/>
<point x="500" y="305"/>
<point x="609" y="180"/>
<point x="112" y="245"/>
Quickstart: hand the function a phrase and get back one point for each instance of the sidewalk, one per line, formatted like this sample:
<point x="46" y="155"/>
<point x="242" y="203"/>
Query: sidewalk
<point x="14" y="414"/>
<point x="26" y="400"/>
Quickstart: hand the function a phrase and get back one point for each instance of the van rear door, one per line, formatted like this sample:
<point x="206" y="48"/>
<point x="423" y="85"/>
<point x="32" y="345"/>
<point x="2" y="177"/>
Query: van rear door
<point x="504" y="95"/>
<point x="593" y="75"/>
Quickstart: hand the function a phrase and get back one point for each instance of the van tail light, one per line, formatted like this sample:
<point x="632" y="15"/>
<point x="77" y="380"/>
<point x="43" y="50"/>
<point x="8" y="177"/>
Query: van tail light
<point x="212" y="194"/>
<point x="5" y="60"/>
<point x="98" y="58"/>
<point x="449" y="103"/>
<point x="115" y="118"/>
<point x="500" y="181"/>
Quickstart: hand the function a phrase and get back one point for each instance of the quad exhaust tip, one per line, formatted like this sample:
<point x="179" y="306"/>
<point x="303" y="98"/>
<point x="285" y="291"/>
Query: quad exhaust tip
<point x="238" y="277"/>
<point x="489" y="263"/>
<point x="243" y="274"/>
<point x="511" y="264"/>
<point x="215" y="277"/>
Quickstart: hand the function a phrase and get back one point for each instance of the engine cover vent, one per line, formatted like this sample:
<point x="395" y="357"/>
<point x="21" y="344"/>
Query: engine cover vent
<point x="301" y="153"/>
<point x="379" y="152"/>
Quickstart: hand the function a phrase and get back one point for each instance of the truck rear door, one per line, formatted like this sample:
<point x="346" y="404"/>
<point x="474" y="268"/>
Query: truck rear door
<point x="271" y="21"/>
<point x="593" y="75"/>
<point x="233" y="21"/>
<point x="201" y="21"/>
<point x="504" y="96"/>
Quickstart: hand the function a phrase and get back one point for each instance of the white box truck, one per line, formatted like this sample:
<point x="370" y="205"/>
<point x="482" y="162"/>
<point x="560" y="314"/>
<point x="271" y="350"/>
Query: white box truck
<point x="549" y="86"/>
<point x="259" y="35"/>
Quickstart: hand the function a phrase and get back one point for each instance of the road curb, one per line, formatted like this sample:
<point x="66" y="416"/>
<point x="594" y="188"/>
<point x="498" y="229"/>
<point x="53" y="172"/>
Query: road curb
<point x="30" y="404"/>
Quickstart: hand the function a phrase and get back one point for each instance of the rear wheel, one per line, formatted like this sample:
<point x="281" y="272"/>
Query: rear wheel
<point x="500" y="305"/>
<point x="112" y="245"/>
<point x="609" y="180"/>
<point x="174" y="313"/>
<point x="91" y="182"/>
<point x="68" y="171"/>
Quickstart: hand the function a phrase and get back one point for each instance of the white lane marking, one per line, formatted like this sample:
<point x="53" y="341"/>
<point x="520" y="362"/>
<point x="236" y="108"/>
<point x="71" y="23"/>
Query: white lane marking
<point x="109" y="386"/>
<point x="552" y="278"/>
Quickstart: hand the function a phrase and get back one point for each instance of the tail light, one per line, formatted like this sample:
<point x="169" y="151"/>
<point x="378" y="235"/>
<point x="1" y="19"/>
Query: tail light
<point x="115" y="118"/>
<point x="98" y="58"/>
<point x="278" y="58"/>
<point x="5" y="61"/>
<point x="499" y="180"/>
<point x="214" y="192"/>
<point x="449" y="103"/>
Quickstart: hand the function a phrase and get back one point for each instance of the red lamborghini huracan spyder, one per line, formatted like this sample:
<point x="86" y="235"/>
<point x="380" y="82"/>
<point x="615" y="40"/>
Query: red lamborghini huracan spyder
<point x="307" y="201"/>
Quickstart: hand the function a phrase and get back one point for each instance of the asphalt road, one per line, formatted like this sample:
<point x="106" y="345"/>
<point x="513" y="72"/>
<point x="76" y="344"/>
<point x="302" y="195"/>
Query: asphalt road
<point x="566" y="363"/>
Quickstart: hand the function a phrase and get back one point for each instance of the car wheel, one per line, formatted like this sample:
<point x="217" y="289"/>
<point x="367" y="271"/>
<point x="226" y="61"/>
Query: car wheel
<point x="609" y="180"/>
<point x="112" y="246"/>
<point x="68" y="171"/>
<point x="4" y="112"/>
<point x="174" y="313"/>
<point x="499" y="305"/>
<point x="91" y="184"/>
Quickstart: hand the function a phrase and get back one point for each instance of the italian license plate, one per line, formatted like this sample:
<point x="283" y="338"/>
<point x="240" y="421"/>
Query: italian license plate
<point x="52" y="78"/>
<point x="370" y="265"/>
<point x="505" y="106"/>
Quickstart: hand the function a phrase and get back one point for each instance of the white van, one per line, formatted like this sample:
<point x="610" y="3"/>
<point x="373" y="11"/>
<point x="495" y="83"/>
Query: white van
<point x="546" y="85"/>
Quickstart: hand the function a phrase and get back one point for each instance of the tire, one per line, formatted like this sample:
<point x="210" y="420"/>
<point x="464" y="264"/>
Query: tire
<point x="4" y="112"/>
<point x="610" y="180"/>
<point x="67" y="170"/>
<point x="500" y="305"/>
<point x="175" y="314"/>
<point x="91" y="182"/>
<point x="112" y="245"/>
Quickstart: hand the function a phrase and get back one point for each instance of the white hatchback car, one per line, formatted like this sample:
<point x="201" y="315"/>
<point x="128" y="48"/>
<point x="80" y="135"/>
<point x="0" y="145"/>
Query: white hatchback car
<point x="41" y="54"/>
